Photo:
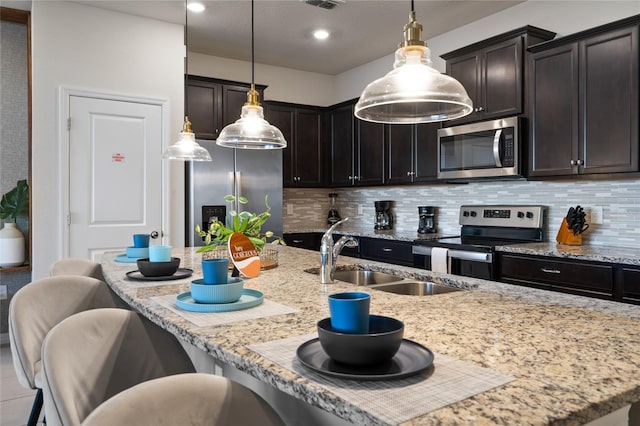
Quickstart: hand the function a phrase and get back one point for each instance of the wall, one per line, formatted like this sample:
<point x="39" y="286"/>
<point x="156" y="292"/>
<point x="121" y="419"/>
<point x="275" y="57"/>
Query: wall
<point x="14" y="135"/>
<point x="84" y="47"/>
<point x="284" y="84"/>
<point x="620" y="200"/>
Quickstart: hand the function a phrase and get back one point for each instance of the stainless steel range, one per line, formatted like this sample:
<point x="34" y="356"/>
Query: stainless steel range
<point x="482" y="229"/>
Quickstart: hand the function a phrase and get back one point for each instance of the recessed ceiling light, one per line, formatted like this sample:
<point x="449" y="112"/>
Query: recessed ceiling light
<point x="321" y="34"/>
<point x="195" y="7"/>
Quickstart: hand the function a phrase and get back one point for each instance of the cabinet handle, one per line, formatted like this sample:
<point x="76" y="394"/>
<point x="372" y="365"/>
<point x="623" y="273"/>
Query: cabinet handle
<point x="298" y="241"/>
<point x="357" y="178"/>
<point x="550" y="271"/>
<point x="573" y="162"/>
<point x="579" y="162"/>
<point x="387" y="249"/>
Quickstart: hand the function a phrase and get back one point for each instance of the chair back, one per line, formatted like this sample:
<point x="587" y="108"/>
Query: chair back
<point x="93" y="355"/>
<point x="77" y="266"/>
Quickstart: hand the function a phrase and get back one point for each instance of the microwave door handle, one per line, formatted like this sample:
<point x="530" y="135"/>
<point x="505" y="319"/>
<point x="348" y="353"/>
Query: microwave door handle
<point x="496" y="148"/>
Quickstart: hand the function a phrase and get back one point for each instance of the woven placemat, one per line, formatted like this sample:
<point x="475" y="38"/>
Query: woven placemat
<point x="206" y="319"/>
<point x="393" y="401"/>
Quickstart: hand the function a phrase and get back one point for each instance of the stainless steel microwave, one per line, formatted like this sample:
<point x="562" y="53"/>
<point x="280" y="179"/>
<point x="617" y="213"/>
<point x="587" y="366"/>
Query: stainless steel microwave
<point x="489" y="149"/>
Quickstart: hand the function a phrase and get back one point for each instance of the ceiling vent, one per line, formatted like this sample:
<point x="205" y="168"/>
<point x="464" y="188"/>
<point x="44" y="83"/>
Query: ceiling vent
<point x="325" y="4"/>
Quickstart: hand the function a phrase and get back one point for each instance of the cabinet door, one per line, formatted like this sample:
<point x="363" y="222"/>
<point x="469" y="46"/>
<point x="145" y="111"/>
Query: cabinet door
<point x="609" y="89"/>
<point x="370" y="153"/>
<point x="630" y="284"/>
<point x="341" y="143"/>
<point x="204" y="108"/>
<point x="426" y="153"/>
<point x="283" y="116"/>
<point x="501" y="83"/>
<point x="233" y="98"/>
<point x="467" y="70"/>
<point x="554" y="111"/>
<point x="400" y="140"/>
<point x="308" y="153"/>
<point x="389" y="251"/>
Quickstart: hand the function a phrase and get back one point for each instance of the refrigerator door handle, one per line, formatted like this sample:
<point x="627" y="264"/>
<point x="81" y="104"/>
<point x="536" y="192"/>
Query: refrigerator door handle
<point x="238" y="189"/>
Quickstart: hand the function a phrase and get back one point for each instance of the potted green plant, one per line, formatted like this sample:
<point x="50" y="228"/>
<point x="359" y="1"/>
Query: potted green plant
<point x="13" y="204"/>
<point x="250" y="224"/>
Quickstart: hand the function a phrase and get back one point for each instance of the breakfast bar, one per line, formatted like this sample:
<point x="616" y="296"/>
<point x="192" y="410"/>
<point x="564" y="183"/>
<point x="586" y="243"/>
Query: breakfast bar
<point x="537" y="357"/>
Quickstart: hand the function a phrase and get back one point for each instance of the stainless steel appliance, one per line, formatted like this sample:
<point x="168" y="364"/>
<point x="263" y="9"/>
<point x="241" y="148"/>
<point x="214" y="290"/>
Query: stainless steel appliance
<point x="384" y="217"/>
<point x="483" y="228"/>
<point x="489" y="149"/>
<point x="241" y="172"/>
<point x="427" y="220"/>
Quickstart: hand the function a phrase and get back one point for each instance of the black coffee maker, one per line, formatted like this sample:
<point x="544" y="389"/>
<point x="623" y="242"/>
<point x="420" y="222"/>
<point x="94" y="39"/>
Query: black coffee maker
<point x="384" y="218"/>
<point x="427" y="224"/>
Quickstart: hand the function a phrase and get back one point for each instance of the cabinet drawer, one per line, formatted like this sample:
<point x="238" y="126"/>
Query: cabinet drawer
<point x="569" y="276"/>
<point x="396" y="252"/>
<point x="305" y="240"/>
<point x="631" y="284"/>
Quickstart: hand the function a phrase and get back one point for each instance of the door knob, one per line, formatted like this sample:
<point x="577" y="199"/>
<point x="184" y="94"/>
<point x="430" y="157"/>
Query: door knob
<point x="154" y="234"/>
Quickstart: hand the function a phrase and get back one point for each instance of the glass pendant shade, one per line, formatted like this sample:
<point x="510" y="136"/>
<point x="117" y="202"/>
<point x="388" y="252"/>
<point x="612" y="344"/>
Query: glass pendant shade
<point x="251" y="130"/>
<point x="413" y="92"/>
<point x="186" y="148"/>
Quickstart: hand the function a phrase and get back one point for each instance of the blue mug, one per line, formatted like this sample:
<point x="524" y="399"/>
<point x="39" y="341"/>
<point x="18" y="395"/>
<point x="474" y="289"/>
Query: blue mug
<point x="141" y="240"/>
<point x="350" y="312"/>
<point x="214" y="271"/>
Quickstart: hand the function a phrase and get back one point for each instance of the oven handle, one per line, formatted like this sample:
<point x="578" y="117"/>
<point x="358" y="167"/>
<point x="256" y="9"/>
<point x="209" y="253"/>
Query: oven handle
<point x="456" y="254"/>
<point x="496" y="148"/>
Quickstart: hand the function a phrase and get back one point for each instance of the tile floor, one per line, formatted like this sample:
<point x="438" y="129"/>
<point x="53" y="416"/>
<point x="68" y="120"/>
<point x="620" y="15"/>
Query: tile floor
<point x="15" y="401"/>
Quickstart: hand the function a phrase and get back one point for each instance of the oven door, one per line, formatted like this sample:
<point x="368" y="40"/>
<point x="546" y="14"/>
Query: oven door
<point x="486" y="149"/>
<point x="468" y="263"/>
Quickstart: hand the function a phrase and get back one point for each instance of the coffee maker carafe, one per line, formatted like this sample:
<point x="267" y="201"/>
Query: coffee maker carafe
<point x="384" y="219"/>
<point x="427" y="223"/>
<point x="333" y="216"/>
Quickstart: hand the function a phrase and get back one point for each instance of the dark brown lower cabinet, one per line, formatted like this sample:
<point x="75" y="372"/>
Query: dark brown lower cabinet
<point x="305" y="240"/>
<point x="628" y="280"/>
<point x="388" y="251"/>
<point x="590" y="279"/>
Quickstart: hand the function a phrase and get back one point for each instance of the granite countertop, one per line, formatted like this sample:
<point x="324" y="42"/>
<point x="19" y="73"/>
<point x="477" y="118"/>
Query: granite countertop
<point x="574" y="359"/>
<point x="624" y="255"/>
<point x="392" y="234"/>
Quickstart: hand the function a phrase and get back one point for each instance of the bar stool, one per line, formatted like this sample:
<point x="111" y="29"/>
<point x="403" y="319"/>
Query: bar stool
<point x="185" y="399"/>
<point x="94" y="355"/>
<point x="35" y="309"/>
<point x="77" y="266"/>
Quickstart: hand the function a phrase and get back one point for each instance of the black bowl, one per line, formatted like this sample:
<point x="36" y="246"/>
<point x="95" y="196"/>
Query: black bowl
<point x="378" y="346"/>
<point x="158" y="269"/>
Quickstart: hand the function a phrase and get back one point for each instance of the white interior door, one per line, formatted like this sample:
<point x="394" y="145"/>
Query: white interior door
<point x="115" y="174"/>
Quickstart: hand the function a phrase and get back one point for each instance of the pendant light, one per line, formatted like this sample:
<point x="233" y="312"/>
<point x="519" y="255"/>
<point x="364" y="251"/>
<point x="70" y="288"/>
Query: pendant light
<point x="413" y="92"/>
<point x="186" y="148"/>
<point x="251" y="130"/>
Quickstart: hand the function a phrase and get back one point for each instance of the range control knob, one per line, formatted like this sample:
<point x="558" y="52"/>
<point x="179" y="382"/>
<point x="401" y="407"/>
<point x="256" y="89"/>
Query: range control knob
<point x="465" y="213"/>
<point x="529" y="215"/>
<point x="520" y="215"/>
<point x="473" y="214"/>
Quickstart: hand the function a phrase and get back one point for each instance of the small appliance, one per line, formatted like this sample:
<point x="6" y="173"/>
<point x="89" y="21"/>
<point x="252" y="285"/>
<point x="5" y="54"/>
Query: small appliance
<point x="334" y="216"/>
<point x="427" y="222"/>
<point x="489" y="149"/>
<point x="384" y="218"/>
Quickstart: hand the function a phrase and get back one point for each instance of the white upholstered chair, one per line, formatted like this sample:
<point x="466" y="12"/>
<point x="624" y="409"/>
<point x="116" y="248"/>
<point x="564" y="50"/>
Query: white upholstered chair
<point x="36" y="308"/>
<point x="185" y="399"/>
<point x="94" y="355"/>
<point x="77" y="266"/>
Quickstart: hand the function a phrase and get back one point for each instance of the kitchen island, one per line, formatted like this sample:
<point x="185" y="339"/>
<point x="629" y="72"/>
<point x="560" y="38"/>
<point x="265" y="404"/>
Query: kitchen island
<point x="573" y="359"/>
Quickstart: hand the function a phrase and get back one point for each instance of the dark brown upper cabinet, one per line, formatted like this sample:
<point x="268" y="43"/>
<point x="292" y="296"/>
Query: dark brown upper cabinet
<point x="301" y="126"/>
<point x="356" y="148"/>
<point x="493" y="72"/>
<point x="584" y="102"/>
<point x="411" y="153"/>
<point x="214" y="103"/>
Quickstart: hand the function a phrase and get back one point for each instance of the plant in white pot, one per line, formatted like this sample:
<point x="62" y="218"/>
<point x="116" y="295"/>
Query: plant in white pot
<point x="13" y="204"/>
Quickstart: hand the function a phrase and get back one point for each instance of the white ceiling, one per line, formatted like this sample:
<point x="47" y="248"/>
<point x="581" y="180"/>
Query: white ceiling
<point x="361" y="30"/>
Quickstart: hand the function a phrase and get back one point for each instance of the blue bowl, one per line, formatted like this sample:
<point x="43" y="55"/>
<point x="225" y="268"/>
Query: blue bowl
<point x="137" y="252"/>
<point x="217" y="293"/>
<point x="377" y="346"/>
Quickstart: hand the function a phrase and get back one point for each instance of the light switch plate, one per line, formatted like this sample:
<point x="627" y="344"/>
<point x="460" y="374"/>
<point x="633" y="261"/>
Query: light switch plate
<point x="3" y="292"/>
<point x="596" y="215"/>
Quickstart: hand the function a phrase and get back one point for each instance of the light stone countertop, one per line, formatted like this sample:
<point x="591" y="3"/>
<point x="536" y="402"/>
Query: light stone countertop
<point x="575" y="359"/>
<point x="624" y="255"/>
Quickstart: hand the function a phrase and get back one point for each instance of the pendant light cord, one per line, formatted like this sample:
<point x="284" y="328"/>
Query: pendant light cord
<point x="253" y="49"/>
<point x="186" y="56"/>
<point x="412" y="8"/>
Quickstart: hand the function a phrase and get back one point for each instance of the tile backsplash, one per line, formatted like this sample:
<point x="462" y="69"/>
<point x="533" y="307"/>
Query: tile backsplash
<point x="307" y="208"/>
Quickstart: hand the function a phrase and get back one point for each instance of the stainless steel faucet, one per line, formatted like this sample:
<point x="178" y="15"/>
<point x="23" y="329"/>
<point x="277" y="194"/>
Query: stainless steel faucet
<point x="329" y="252"/>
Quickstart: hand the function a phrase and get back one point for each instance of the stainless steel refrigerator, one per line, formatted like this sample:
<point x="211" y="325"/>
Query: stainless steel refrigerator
<point x="248" y="173"/>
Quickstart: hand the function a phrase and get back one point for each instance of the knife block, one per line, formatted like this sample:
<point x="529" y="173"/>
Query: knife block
<point x="565" y="235"/>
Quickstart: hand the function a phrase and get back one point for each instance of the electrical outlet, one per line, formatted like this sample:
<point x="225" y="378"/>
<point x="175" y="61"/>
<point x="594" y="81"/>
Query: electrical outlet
<point x="289" y="208"/>
<point x="3" y="292"/>
<point x="596" y="214"/>
<point x="360" y="209"/>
